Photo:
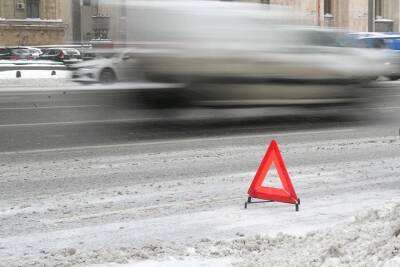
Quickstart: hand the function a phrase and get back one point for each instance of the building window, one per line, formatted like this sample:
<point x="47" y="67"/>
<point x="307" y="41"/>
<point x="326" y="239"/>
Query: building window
<point x="32" y="8"/>
<point x="327" y="7"/>
<point x="379" y="8"/>
<point x="265" y="2"/>
<point x="87" y="3"/>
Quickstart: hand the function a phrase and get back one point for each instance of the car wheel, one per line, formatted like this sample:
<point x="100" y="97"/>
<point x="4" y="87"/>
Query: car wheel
<point x="107" y="76"/>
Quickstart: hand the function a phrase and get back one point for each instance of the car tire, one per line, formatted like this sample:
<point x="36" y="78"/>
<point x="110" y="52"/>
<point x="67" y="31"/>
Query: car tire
<point x="107" y="76"/>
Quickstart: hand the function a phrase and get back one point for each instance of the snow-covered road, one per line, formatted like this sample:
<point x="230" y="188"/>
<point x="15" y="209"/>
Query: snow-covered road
<point x="180" y="202"/>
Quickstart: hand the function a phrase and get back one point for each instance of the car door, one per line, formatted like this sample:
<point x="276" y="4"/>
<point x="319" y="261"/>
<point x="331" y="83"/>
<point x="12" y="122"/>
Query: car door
<point x="127" y="67"/>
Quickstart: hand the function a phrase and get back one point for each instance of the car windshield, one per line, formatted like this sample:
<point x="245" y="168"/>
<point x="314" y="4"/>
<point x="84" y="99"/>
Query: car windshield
<point x="71" y="52"/>
<point x="4" y="50"/>
<point x="21" y="51"/>
<point x="312" y="37"/>
<point x="51" y="52"/>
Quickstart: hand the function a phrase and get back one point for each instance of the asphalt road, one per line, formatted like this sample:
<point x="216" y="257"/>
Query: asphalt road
<point x="94" y="170"/>
<point x="62" y="118"/>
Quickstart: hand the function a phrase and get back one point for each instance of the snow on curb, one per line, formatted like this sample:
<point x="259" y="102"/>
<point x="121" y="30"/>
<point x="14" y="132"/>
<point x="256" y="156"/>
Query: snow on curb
<point x="370" y="239"/>
<point x="35" y="74"/>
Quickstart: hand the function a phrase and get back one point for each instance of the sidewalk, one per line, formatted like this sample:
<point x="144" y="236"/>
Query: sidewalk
<point x="34" y="78"/>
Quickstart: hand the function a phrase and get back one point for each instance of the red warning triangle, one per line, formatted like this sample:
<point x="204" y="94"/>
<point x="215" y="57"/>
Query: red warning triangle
<point x="286" y="194"/>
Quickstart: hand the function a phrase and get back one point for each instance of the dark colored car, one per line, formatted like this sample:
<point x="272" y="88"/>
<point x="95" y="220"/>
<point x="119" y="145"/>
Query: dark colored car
<point x="65" y="55"/>
<point x="15" y="53"/>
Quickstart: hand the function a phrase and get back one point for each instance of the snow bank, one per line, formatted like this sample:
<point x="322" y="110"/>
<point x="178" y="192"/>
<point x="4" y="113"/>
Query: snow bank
<point x="32" y="63"/>
<point x="35" y="74"/>
<point x="370" y="239"/>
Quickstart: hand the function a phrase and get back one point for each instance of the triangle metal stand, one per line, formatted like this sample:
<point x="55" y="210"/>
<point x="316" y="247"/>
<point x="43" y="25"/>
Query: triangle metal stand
<point x="249" y="201"/>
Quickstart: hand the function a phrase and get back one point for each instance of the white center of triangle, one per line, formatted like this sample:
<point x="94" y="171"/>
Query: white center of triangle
<point x="272" y="179"/>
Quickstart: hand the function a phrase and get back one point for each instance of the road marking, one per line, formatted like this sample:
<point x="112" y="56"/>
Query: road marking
<point x="129" y="120"/>
<point x="175" y="141"/>
<point x="69" y="123"/>
<point x="382" y="108"/>
<point x="91" y="88"/>
<point x="53" y="107"/>
<point x="10" y="98"/>
<point x="383" y="96"/>
<point x="374" y="108"/>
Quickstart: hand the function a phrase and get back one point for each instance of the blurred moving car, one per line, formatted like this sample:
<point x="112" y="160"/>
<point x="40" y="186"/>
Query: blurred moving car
<point x="380" y="41"/>
<point x="66" y="55"/>
<point x="236" y="54"/>
<point x="121" y="67"/>
<point x="15" y="53"/>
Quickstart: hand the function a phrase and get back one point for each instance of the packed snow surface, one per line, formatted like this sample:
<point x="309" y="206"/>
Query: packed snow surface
<point x="35" y="74"/>
<point x="180" y="202"/>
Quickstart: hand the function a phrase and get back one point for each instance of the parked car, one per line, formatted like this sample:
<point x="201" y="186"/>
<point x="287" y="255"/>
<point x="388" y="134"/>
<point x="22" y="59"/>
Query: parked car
<point x="35" y="52"/>
<point x="378" y="40"/>
<point x="66" y="55"/>
<point x="121" y="67"/>
<point x="15" y="53"/>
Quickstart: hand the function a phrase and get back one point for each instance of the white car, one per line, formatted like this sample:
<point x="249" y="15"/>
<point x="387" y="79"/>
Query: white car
<point x="122" y="67"/>
<point x="235" y="54"/>
<point x="35" y="52"/>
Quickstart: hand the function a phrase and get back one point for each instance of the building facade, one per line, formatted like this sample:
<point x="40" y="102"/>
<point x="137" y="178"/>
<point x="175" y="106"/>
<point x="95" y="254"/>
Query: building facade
<point x="349" y="14"/>
<point x="34" y="22"/>
<point x="353" y="14"/>
<point x="47" y="22"/>
<point x="98" y="20"/>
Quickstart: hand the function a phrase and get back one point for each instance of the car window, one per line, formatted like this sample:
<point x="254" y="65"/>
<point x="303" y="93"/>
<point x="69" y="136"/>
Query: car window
<point x="320" y="38"/>
<point x="353" y="41"/>
<point x="379" y="43"/>
<point x="21" y="51"/>
<point x="53" y="52"/>
<point x="72" y="52"/>
<point x="4" y="51"/>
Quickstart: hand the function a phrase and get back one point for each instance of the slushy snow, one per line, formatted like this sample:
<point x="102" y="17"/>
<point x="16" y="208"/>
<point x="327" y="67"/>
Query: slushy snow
<point x="370" y="239"/>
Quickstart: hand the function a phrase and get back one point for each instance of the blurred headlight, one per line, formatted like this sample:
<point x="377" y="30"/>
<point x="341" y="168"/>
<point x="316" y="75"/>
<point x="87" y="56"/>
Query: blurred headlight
<point x="88" y="68"/>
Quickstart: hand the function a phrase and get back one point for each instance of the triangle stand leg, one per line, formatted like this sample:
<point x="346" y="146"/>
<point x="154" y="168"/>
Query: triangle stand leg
<point x="297" y="205"/>
<point x="255" y="202"/>
<point x="249" y="201"/>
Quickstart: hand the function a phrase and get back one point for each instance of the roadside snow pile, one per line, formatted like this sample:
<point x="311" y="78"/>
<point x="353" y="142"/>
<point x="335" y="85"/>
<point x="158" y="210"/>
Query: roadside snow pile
<point x="370" y="239"/>
<point x="34" y="74"/>
<point x="30" y="62"/>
